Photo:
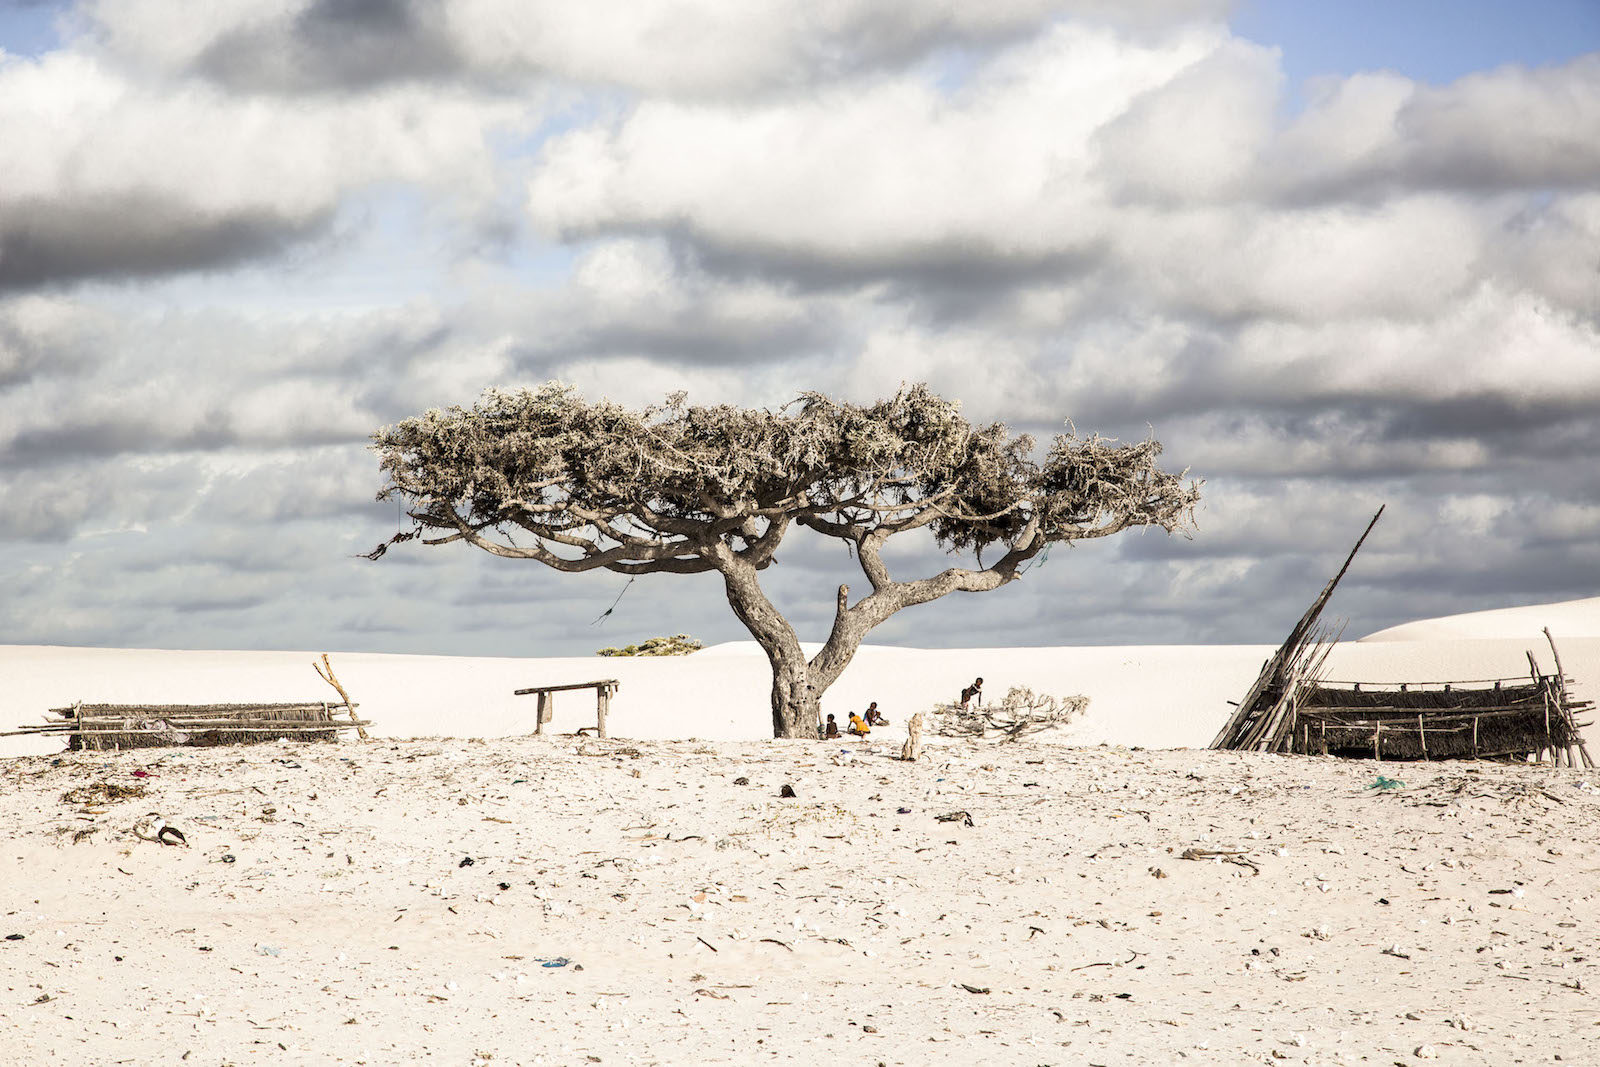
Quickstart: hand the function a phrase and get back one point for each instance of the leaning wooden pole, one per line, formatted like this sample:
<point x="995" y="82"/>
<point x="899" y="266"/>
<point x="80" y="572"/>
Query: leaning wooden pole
<point x="331" y="679"/>
<point x="1279" y="667"/>
<point x="1309" y="620"/>
<point x="1566" y="706"/>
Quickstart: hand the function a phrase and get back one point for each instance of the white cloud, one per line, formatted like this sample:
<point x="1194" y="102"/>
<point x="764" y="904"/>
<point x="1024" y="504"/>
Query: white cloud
<point x="700" y="46"/>
<point x="104" y="174"/>
<point x="1508" y="127"/>
<point x="1198" y="135"/>
<point x="165" y="35"/>
<point x="887" y="174"/>
<point x="1553" y="250"/>
<point x="1511" y="128"/>
<point x="1404" y="258"/>
<point x="1490" y="343"/>
<point x="669" y="47"/>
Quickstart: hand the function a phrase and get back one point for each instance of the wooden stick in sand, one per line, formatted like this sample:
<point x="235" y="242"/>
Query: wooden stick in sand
<point x="329" y="677"/>
<point x="913" y="746"/>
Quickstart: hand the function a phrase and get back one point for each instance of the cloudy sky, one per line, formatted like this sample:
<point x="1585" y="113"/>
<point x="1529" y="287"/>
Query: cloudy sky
<point x="1333" y="255"/>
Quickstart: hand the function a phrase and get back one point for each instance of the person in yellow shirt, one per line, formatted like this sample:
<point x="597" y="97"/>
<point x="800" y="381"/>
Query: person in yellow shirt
<point x="858" y="725"/>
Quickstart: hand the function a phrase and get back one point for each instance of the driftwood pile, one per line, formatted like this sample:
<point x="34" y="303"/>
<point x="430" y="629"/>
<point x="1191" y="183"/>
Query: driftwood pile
<point x="1023" y="713"/>
<point x="1292" y="709"/>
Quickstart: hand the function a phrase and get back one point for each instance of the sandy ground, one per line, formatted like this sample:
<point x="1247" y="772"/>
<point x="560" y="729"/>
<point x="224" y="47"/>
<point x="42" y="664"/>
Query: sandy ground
<point x="633" y="903"/>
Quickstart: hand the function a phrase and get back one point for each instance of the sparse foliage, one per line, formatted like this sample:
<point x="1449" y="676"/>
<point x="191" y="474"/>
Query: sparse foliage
<point x="542" y="474"/>
<point x="1022" y="713"/>
<point x="676" y="645"/>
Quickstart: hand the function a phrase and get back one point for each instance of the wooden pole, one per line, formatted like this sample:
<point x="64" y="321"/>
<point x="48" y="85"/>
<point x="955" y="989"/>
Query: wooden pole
<point x="546" y="712"/>
<point x="1548" y="740"/>
<point x="602" y="705"/>
<point x="361" y="731"/>
<point x="1575" y="737"/>
<point x="1277" y="670"/>
<point x="1561" y="674"/>
<point x="912" y="749"/>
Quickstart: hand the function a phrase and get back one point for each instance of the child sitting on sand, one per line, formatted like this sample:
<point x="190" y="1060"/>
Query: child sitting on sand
<point x="831" y="731"/>
<point x="875" y="717"/>
<point x="858" y="726"/>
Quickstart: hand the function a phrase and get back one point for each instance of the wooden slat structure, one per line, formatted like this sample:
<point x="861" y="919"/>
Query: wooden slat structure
<point x="1291" y="709"/>
<point x="99" y="727"/>
<point x="604" y="689"/>
<point x="1508" y="718"/>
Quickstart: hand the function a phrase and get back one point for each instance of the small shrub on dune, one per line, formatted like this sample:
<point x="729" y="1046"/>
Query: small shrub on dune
<point x="676" y="645"/>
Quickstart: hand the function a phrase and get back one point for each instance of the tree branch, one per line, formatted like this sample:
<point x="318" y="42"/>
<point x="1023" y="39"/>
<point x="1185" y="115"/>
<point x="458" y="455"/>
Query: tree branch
<point x="852" y="624"/>
<point x="624" y="559"/>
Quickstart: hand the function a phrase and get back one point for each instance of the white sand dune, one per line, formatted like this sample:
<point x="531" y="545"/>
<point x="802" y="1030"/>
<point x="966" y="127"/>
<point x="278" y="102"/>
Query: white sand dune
<point x="1568" y="619"/>
<point x="1153" y="696"/>
<point x="1156" y="696"/>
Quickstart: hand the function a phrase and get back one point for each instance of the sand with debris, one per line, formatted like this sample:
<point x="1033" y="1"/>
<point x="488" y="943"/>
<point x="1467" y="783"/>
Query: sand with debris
<point x="572" y="901"/>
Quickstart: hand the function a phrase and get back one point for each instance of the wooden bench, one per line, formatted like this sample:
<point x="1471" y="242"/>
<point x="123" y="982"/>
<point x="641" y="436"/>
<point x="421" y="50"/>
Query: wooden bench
<point x="603" y="690"/>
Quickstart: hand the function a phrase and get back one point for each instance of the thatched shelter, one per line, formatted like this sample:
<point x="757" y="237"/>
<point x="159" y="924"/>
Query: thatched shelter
<point x="1506" y="718"/>
<point x="1291" y="708"/>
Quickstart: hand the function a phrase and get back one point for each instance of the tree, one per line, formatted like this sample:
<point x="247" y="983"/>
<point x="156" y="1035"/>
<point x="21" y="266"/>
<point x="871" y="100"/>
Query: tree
<point x="542" y="474"/>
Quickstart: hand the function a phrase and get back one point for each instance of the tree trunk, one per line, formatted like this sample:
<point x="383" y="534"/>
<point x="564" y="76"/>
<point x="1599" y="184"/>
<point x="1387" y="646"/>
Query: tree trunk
<point x="796" y="701"/>
<point x="797" y="686"/>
